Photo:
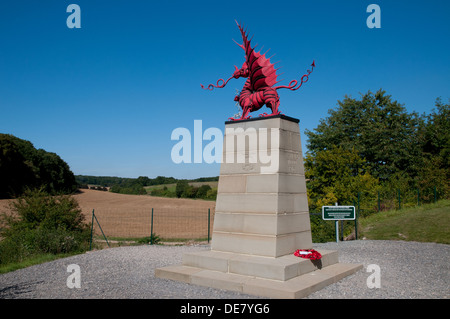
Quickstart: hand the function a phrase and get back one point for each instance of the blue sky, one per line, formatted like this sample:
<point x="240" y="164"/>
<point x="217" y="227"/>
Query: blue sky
<point x="106" y="97"/>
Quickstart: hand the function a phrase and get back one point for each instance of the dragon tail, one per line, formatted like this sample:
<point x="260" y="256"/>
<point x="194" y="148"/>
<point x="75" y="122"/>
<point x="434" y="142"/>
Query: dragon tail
<point x="293" y="84"/>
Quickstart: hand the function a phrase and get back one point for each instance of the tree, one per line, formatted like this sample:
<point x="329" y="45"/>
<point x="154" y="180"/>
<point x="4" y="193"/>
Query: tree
<point x="190" y="192"/>
<point x="203" y="191"/>
<point x="23" y="166"/>
<point x="436" y="132"/>
<point x="380" y="129"/>
<point x="181" y="187"/>
<point x="143" y="180"/>
<point x="159" y="180"/>
<point x="435" y="135"/>
<point x="54" y="173"/>
<point x="337" y="175"/>
<point x="16" y="170"/>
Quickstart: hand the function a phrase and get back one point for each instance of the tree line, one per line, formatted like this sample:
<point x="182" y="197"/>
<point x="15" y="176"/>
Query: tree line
<point x="108" y="181"/>
<point x="136" y="186"/>
<point x="372" y="145"/>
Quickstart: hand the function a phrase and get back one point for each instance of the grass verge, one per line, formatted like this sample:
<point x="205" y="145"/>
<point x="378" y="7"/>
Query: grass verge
<point x="38" y="259"/>
<point x="425" y="223"/>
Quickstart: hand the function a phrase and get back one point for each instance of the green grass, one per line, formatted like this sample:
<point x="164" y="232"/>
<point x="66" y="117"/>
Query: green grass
<point x="38" y="259"/>
<point x="170" y="187"/>
<point x="425" y="223"/>
<point x="213" y="184"/>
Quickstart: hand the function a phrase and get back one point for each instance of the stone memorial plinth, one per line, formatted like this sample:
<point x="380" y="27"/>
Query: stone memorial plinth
<point x="261" y="218"/>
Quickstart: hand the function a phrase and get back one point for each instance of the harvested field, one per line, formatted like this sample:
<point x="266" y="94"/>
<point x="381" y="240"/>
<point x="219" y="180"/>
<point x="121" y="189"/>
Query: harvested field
<point x="129" y="216"/>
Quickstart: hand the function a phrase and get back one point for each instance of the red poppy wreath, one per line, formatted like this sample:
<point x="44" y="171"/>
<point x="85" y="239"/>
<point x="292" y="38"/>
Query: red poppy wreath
<point x="308" y="253"/>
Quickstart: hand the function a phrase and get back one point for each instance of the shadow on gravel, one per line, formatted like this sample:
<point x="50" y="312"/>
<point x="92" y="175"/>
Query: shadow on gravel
<point x="19" y="289"/>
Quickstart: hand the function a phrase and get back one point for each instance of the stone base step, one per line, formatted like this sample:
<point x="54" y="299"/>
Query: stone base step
<point x="280" y="268"/>
<point x="294" y="288"/>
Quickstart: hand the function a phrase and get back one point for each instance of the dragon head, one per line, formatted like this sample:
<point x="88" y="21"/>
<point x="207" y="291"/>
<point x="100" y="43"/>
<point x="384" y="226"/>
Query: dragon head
<point x="243" y="72"/>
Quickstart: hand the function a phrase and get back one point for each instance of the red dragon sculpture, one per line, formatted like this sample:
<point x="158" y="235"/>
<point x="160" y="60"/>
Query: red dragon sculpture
<point x="261" y="77"/>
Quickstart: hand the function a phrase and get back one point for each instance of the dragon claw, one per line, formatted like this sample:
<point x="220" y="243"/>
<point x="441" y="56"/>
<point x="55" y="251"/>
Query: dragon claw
<point x="268" y="115"/>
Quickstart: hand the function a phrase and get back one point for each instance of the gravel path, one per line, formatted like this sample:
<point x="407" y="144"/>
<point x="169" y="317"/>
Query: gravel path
<point x="407" y="270"/>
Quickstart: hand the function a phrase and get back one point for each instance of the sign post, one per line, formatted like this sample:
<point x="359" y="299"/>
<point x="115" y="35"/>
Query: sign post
<point x="338" y="213"/>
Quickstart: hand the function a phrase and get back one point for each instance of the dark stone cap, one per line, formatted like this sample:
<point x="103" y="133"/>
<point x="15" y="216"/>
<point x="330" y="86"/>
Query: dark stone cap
<point x="281" y="116"/>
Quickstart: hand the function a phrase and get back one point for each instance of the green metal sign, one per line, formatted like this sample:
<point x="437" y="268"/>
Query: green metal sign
<point x="338" y="213"/>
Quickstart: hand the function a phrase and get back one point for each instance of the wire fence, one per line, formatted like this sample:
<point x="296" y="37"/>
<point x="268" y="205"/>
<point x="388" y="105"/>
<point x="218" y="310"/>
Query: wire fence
<point x="384" y="199"/>
<point x="162" y="223"/>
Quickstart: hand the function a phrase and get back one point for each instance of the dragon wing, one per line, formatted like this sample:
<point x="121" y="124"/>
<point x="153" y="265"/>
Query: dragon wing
<point x="262" y="72"/>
